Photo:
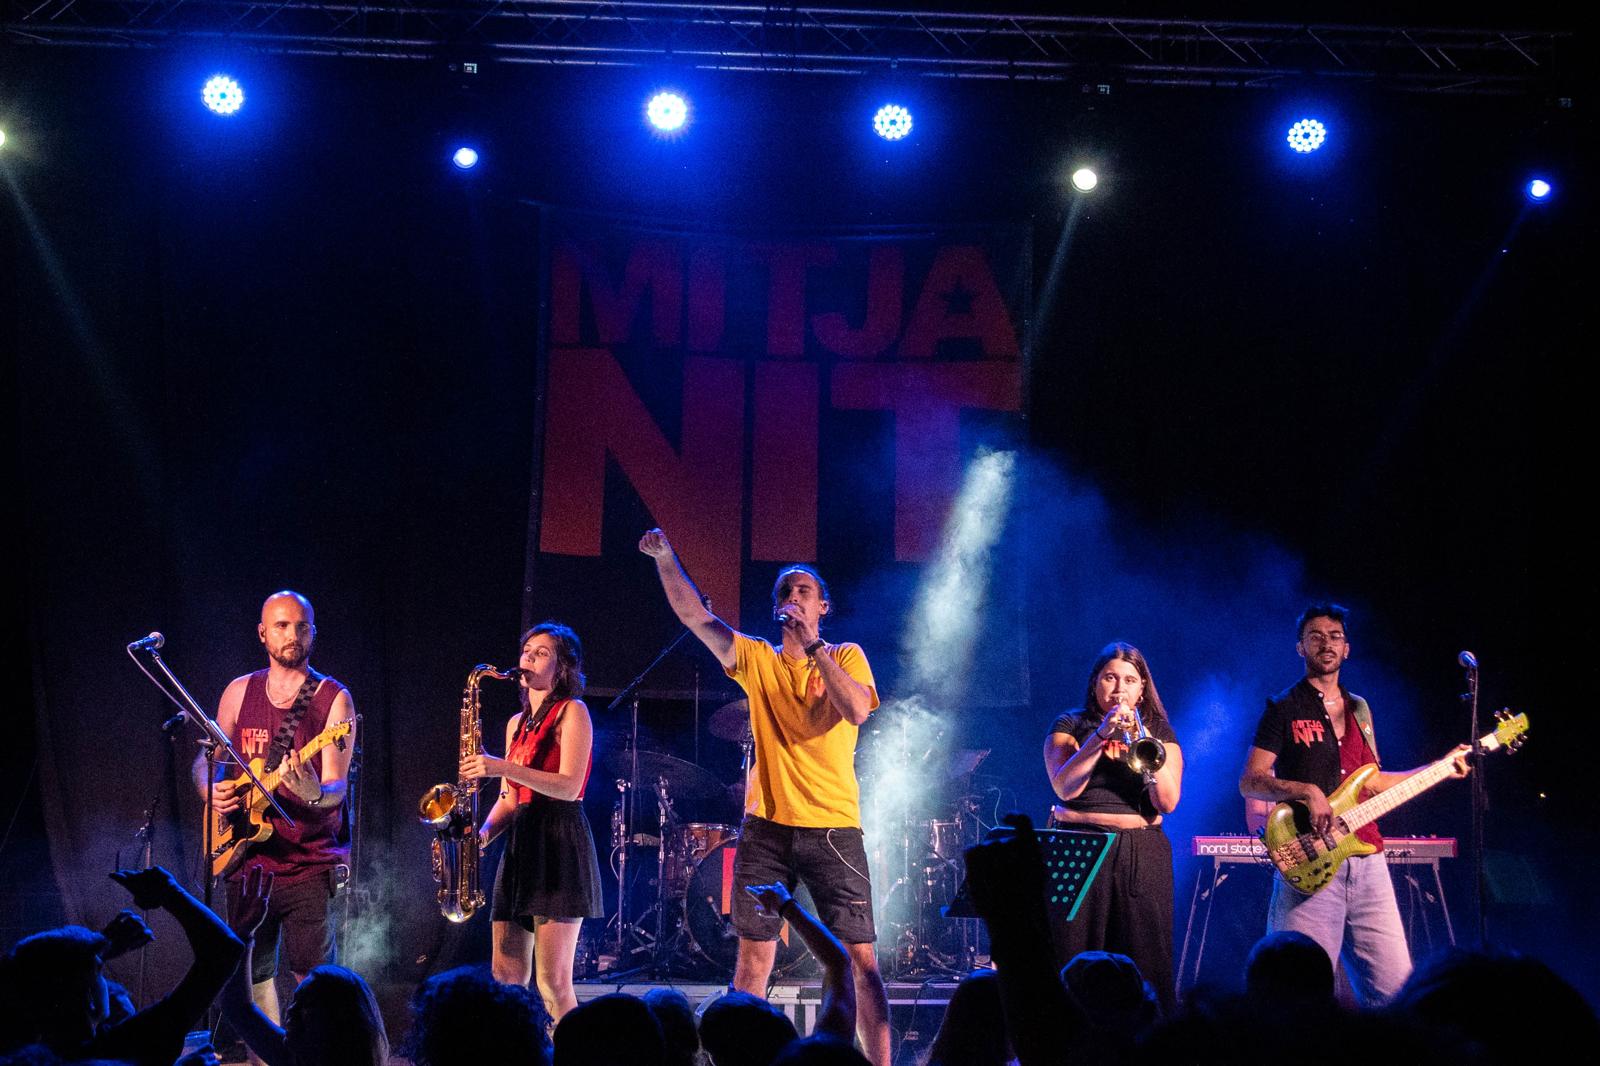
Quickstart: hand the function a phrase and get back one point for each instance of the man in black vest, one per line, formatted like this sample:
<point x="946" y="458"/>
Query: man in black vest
<point x="1310" y="738"/>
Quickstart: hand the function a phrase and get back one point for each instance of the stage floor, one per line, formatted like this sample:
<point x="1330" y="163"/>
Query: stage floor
<point x="915" y="1007"/>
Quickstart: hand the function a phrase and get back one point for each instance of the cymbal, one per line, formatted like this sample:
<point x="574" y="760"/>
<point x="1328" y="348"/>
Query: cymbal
<point x="685" y="780"/>
<point x="730" y="721"/>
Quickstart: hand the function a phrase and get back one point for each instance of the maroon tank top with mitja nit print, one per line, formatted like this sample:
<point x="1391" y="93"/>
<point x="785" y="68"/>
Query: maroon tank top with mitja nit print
<point x="311" y="846"/>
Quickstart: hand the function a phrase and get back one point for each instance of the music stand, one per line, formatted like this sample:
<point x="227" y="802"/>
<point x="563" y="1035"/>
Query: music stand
<point x="1072" y="858"/>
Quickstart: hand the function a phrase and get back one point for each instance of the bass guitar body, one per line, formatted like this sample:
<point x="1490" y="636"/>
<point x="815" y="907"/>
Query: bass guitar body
<point x="1307" y="860"/>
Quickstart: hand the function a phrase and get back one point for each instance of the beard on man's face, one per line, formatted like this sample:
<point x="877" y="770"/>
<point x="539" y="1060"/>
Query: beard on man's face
<point x="290" y="656"/>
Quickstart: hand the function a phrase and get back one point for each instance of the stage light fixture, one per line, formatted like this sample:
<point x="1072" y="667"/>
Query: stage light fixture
<point x="465" y="157"/>
<point x="1307" y="135"/>
<point x="2" y="138"/>
<point x="892" y="122"/>
<point x="667" y="111"/>
<point x="1538" y="190"/>
<point x="222" y="94"/>
<point x="1084" y="179"/>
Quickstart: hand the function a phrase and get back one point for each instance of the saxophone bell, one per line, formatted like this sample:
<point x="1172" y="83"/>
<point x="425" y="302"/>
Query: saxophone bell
<point x="439" y="807"/>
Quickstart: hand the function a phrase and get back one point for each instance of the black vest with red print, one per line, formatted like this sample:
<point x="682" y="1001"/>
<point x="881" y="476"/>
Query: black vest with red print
<point x="311" y="845"/>
<point x="1296" y="728"/>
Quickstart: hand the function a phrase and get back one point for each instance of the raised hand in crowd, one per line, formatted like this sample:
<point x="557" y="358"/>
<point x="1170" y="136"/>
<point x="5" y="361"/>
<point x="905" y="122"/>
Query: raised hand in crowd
<point x="837" y="1014"/>
<point x="1006" y="881"/>
<point x="155" y="1035"/>
<point x="126" y="932"/>
<point x="260" y="1033"/>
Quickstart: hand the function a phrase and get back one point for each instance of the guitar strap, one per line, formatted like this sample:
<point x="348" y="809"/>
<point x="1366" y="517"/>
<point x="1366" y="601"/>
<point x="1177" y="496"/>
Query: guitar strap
<point x="1363" y="716"/>
<point x="284" y="739"/>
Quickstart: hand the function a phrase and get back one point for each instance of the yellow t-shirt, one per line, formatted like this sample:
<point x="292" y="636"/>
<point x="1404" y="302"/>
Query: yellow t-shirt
<point x="805" y="765"/>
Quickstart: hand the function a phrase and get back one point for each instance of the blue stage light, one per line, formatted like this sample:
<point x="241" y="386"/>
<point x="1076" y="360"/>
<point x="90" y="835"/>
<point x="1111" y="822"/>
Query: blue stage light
<point x="892" y="122"/>
<point x="465" y="158"/>
<point x="1539" y="190"/>
<point x="1307" y="135"/>
<point x="222" y="94"/>
<point x="667" y="111"/>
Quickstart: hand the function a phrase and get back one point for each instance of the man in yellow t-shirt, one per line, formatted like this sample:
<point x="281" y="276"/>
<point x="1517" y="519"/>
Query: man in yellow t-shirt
<point x="802" y="818"/>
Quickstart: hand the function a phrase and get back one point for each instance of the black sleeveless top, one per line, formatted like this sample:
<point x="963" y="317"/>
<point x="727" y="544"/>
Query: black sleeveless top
<point x="1113" y="787"/>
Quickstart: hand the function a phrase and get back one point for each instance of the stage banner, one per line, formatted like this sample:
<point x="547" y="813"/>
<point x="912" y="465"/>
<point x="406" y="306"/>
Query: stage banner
<point x="767" y="399"/>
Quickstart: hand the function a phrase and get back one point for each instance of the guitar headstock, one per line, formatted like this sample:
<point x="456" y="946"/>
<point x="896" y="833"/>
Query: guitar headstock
<point x="338" y="734"/>
<point x="1510" y="731"/>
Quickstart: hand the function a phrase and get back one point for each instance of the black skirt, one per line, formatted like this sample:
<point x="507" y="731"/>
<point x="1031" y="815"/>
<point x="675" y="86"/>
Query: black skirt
<point x="549" y="869"/>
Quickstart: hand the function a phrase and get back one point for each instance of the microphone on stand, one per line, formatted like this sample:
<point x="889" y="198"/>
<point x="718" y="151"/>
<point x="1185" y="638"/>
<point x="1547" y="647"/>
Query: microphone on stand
<point x="150" y="643"/>
<point x="1467" y="660"/>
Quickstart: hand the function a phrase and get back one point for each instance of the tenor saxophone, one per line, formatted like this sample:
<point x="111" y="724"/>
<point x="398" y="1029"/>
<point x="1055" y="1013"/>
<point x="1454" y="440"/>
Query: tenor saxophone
<point x="451" y="811"/>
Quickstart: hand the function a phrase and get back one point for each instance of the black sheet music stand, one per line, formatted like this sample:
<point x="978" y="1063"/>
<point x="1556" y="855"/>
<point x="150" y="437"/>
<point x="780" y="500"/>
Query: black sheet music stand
<point x="1072" y="858"/>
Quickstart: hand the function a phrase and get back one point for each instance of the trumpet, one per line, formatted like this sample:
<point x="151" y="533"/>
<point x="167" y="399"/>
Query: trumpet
<point x="1143" y="753"/>
<point x="451" y="810"/>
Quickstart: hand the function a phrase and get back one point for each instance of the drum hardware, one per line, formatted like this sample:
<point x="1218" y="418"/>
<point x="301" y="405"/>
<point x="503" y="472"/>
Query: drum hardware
<point x="731" y="721"/>
<point x="923" y="942"/>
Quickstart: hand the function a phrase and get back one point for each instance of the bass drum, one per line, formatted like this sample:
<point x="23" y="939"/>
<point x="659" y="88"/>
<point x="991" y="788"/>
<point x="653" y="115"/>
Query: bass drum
<point x="708" y="911"/>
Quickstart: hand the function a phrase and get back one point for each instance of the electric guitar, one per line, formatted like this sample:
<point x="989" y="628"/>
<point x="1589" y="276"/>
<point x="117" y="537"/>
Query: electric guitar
<point x="232" y="833"/>
<point x="1307" y="860"/>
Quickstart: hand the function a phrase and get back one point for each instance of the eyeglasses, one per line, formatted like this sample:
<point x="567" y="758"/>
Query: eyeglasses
<point x="1330" y="639"/>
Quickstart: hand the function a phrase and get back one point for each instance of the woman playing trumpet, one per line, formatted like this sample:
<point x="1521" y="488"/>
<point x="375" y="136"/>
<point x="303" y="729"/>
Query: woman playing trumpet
<point x="1110" y="777"/>
<point x="549" y="877"/>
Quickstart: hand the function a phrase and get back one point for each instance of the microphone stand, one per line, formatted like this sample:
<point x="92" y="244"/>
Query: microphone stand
<point x="189" y="711"/>
<point x="627" y="693"/>
<point x="1480" y="803"/>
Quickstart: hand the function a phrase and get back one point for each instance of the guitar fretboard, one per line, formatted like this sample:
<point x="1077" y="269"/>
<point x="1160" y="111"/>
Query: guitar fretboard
<point x="1376" y="807"/>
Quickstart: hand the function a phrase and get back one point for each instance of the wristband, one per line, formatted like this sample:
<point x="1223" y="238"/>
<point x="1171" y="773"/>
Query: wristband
<point x="784" y="904"/>
<point x="811" y="649"/>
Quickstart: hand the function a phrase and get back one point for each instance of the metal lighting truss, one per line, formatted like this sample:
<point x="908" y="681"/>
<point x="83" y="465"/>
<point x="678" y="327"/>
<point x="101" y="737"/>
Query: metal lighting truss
<point x="832" y="40"/>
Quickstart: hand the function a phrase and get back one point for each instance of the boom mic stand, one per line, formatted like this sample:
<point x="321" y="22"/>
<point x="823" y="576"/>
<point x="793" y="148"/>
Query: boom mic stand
<point x="1480" y="798"/>
<point x="629" y="811"/>
<point x="189" y="711"/>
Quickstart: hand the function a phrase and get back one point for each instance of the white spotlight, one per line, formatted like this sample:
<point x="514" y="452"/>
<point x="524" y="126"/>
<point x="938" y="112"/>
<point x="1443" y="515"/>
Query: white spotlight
<point x="1307" y="135"/>
<point x="2" y="138"/>
<point x="222" y="95"/>
<point x="465" y="158"/>
<point x="667" y="112"/>
<point x="892" y="122"/>
<point x="1084" y="179"/>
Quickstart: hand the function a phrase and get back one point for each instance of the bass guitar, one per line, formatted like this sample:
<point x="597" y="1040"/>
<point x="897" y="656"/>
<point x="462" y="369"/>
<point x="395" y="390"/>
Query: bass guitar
<point x="233" y="833"/>
<point x="1307" y="860"/>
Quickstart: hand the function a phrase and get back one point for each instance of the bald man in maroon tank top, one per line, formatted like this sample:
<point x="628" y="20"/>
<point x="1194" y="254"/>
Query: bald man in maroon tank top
<point x="301" y="858"/>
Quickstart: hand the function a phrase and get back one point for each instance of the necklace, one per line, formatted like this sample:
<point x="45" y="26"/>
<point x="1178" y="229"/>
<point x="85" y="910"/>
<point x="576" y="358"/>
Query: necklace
<point x="277" y="699"/>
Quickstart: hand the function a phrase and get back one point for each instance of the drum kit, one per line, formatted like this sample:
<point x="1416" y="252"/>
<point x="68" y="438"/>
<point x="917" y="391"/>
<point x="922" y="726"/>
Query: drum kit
<point x="686" y="930"/>
<point x="684" y="926"/>
<point x="923" y="855"/>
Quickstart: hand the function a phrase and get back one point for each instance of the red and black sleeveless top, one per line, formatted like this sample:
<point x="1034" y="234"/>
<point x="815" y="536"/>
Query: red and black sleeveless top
<point x="311" y="845"/>
<point x="539" y="748"/>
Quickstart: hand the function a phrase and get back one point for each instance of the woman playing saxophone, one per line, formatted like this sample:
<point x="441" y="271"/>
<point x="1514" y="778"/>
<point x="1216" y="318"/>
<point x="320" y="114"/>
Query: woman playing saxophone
<point x="549" y="876"/>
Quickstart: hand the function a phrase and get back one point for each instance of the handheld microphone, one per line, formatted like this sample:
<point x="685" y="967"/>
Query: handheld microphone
<point x="783" y="618"/>
<point x="1468" y="660"/>
<point x="150" y="643"/>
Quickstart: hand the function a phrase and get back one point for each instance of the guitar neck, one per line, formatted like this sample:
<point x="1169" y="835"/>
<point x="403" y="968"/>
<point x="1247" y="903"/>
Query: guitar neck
<point x="271" y="779"/>
<point x="1370" y="810"/>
